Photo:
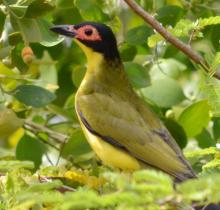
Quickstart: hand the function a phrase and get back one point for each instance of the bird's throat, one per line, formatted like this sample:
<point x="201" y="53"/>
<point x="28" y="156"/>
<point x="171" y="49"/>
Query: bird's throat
<point x="94" y="59"/>
<point x="102" y="73"/>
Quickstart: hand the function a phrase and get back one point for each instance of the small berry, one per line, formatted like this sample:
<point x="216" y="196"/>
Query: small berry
<point x="27" y="55"/>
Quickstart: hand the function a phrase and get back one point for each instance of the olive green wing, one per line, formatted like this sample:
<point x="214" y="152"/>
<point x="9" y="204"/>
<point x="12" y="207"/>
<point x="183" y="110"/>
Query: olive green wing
<point x="134" y="128"/>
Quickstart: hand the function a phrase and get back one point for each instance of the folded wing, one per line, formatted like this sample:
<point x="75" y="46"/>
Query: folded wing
<point x="134" y="128"/>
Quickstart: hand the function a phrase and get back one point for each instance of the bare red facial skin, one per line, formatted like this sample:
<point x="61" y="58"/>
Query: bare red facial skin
<point x="94" y="36"/>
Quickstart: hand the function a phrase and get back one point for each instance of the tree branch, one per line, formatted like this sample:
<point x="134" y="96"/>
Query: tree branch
<point x="186" y="49"/>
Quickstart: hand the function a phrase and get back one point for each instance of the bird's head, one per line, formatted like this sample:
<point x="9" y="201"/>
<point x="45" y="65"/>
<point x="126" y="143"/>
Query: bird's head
<point x="92" y="38"/>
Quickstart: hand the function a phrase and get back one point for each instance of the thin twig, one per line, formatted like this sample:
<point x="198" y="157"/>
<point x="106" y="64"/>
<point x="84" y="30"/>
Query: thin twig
<point x="62" y="189"/>
<point x="36" y="128"/>
<point x="192" y="54"/>
<point x="2" y="76"/>
<point x="48" y="159"/>
<point x="191" y="36"/>
<point x="41" y="139"/>
<point x="60" y="152"/>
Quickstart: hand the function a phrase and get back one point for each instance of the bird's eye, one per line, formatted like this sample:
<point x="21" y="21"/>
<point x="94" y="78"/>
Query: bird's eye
<point x="88" y="32"/>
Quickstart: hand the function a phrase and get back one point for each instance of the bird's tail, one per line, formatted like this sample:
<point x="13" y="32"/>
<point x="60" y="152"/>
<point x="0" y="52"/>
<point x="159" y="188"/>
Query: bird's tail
<point x="181" y="177"/>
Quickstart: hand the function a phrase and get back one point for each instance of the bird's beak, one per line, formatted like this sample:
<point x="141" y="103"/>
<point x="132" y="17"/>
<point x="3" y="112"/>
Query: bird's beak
<point x="66" y="30"/>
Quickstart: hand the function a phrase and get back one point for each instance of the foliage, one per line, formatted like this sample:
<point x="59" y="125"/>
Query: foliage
<point x="45" y="160"/>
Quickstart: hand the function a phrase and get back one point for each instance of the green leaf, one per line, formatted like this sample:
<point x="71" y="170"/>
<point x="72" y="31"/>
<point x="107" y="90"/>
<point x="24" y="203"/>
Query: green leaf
<point x="18" y="8"/>
<point x="42" y="187"/>
<point x="39" y="8"/>
<point x="215" y="36"/>
<point x="177" y="132"/>
<point x="209" y="21"/>
<point x="211" y="88"/>
<point x="164" y="68"/>
<point x="154" y="39"/>
<point x="164" y="92"/>
<point x="29" y="148"/>
<point x="201" y="152"/>
<point x="138" y="35"/>
<point x="9" y="123"/>
<point x="37" y="30"/>
<point x="205" y="139"/>
<point x="213" y="164"/>
<point x="2" y="21"/>
<point x="30" y="29"/>
<point x="195" y="118"/>
<point x="64" y="4"/>
<point x="15" y="164"/>
<point x="90" y="11"/>
<point x="69" y="107"/>
<point x="16" y="58"/>
<point x="182" y="29"/>
<point x="15" y="38"/>
<point x="4" y="52"/>
<point x="76" y="146"/>
<point x="215" y="64"/>
<point x="6" y="154"/>
<point x="128" y="52"/>
<point x="78" y="74"/>
<point x="48" y="38"/>
<point x="202" y="190"/>
<point x="137" y="75"/>
<point x="170" y="15"/>
<point x="33" y="95"/>
<point x="48" y="73"/>
<point x="216" y="128"/>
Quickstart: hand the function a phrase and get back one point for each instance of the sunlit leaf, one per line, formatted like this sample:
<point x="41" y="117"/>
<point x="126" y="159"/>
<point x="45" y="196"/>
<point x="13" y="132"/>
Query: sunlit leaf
<point x="166" y="68"/>
<point x="195" y="117"/>
<point x="164" y="92"/>
<point x="215" y="163"/>
<point x="30" y="29"/>
<point x="18" y="8"/>
<point x="48" y="38"/>
<point x="48" y="73"/>
<point x="15" y="164"/>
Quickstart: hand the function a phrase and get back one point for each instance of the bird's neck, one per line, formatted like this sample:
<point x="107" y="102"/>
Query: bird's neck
<point x="95" y="62"/>
<point x="102" y="74"/>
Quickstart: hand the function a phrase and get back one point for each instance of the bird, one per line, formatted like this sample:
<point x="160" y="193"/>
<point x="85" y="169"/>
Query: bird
<point x="120" y="127"/>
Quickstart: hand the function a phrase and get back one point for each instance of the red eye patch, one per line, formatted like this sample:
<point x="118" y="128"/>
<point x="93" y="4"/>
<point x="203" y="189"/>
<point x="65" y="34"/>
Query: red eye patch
<point x="88" y="32"/>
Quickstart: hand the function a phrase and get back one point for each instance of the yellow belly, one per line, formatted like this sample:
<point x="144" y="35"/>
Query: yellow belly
<point x="111" y="155"/>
